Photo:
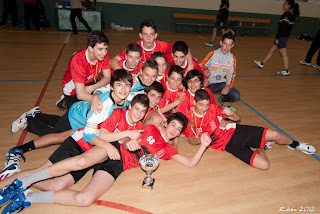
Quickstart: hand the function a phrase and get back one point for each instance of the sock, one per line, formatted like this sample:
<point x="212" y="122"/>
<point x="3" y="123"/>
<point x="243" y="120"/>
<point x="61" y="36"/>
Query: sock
<point x="27" y="146"/>
<point x="294" y="144"/>
<point x="40" y="197"/>
<point x="40" y="175"/>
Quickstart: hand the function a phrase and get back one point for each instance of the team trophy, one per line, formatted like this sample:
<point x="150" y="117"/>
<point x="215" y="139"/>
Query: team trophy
<point x="148" y="163"/>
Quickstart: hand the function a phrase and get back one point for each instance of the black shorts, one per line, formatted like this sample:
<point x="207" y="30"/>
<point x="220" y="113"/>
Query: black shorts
<point x="244" y="138"/>
<point x="70" y="99"/>
<point x="218" y="22"/>
<point x="282" y="42"/>
<point x="113" y="167"/>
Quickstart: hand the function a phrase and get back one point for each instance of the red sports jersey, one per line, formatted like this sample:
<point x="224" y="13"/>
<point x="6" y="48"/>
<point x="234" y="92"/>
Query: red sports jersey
<point x="117" y="122"/>
<point x="185" y="66"/>
<point x="164" y="78"/>
<point x="153" y="142"/>
<point x="169" y="97"/>
<point x="132" y="71"/>
<point x="146" y="53"/>
<point x="210" y="123"/>
<point x="187" y="103"/>
<point x="80" y="70"/>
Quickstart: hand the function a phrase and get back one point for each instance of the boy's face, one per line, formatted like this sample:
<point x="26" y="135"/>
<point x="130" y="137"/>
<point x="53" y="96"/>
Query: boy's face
<point x="99" y="51"/>
<point x="179" y="58"/>
<point x="194" y="84"/>
<point x="201" y="107"/>
<point x="137" y="112"/>
<point x="174" y="81"/>
<point x="162" y="65"/>
<point x="121" y="89"/>
<point x="148" y="35"/>
<point x="149" y="75"/>
<point x="154" y="98"/>
<point x="173" y="129"/>
<point x="226" y="45"/>
<point x="133" y="58"/>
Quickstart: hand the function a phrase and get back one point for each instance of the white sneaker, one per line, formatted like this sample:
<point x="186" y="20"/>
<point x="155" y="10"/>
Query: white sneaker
<point x="209" y="44"/>
<point x="9" y="170"/>
<point x="259" y="64"/>
<point x="13" y="156"/>
<point x="33" y="112"/>
<point x="61" y="103"/>
<point x="305" y="148"/>
<point x="268" y="145"/>
<point x="20" y="123"/>
<point x="283" y="73"/>
<point x="303" y="62"/>
<point x="316" y="66"/>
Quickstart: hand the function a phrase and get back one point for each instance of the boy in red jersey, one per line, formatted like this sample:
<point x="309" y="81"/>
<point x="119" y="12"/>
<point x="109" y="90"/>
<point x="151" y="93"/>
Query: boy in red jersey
<point x="149" y="44"/>
<point x="180" y="51"/>
<point x="81" y="77"/>
<point x="173" y="95"/>
<point x="235" y="138"/>
<point x="194" y="80"/>
<point x="161" y="60"/>
<point x="132" y="62"/>
<point x="152" y="141"/>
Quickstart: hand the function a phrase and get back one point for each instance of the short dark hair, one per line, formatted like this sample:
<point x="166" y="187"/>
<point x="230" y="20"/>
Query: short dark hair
<point x="151" y="63"/>
<point x="157" y="86"/>
<point x="180" y="46"/>
<point x="194" y="73"/>
<point x="228" y="35"/>
<point x="201" y="94"/>
<point x="148" y="23"/>
<point x="175" y="68"/>
<point x="134" y="47"/>
<point x="97" y="37"/>
<point x="181" y="118"/>
<point x="142" y="99"/>
<point x="158" y="54"/>
<point x="121" y="75"/>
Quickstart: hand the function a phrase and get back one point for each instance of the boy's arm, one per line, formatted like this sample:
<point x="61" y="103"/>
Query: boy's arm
<point x="112" y="151"/>
<point x="116" y="136"/>
<point x="231" y="115"/>
<point x="114" y="63"/>
<point x="190" y="61"/>
<point x="194" y="140"/>
<point x="101" y="83"/>
<point x="172" y="105"/>
<point x="194" y="159"/>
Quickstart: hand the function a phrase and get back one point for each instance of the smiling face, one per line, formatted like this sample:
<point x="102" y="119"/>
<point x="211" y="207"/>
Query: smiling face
<point x="179" y="58"/>
<point x="148" y="35"/>
<point x="136" y="112"/>
<point x="226" y="45"/>
<point x="174" y="81"/>
<point x="162" y="65"/>
<point x="120" y="90"/>
<point x="201" y="107"/>
<point x="173" y="129"/>
<point x="149" y="75"/>
<point x="98" y="52"/>
<point x="194" y="84"/>
<point x="133" y="58"/>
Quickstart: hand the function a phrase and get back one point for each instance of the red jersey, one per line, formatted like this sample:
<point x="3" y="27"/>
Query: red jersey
<point x="80" y="70"/>
<point x="132" y="71"/>
<point x="210" y="123"/>
<point x="117" y="122"/>
<point x="169" y="97"/>
<point x="187" y="103"/>
<point x="146" y="53"/>
<point x="185" y="66"/>
<point x="152" y="142"/>
<point x="163" y="79"/>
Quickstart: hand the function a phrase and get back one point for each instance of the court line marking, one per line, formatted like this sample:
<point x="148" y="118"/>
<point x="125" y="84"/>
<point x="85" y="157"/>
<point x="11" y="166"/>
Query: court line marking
<point x="275" y="126"/>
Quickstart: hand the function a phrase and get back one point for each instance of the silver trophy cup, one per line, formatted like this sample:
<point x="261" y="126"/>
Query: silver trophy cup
<point x="148" y="163"/>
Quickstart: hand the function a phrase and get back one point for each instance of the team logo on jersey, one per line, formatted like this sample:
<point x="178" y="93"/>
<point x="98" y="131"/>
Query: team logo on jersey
<point x="167" y="102"/>
<point x="213" y="125"/>
<point x="151" y="140"/>
<point x="89" y="77"/>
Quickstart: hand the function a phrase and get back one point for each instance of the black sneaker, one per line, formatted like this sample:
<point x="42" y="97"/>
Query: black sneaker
<point x="61" y="103"/>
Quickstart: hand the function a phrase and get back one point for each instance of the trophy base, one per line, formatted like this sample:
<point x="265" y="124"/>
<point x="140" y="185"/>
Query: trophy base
<point x="148" y="186"/>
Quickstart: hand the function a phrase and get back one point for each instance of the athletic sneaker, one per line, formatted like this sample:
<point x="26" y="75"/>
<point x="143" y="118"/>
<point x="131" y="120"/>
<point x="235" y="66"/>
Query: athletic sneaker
<point x="268" y="145"/>
<point x="21" y="122"/>
<point x="303" y="62"/>
<point x="13" y="156"/>
<point x="9" y="170"/>
<point x="283" y="73"/>
<point x="209" y="44"/>
<point x="10" y="191"/>
<point x="258" y="63"/>
<point x="316" y="66"/>
<point x="17" y="203"/>
<point x="61" y="103"/>
<point x="305" y="148"/>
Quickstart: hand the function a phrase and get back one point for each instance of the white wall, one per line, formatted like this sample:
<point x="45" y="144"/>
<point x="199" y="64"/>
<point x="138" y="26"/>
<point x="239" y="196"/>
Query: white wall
<point x="248" y="6"/>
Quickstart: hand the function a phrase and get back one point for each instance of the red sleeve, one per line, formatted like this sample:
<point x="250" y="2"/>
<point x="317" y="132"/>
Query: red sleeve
<point x="197" y="66"/>
<point x="110" y="123"/>
<point x="78" y="70"/>
<point x="122" y="54"/>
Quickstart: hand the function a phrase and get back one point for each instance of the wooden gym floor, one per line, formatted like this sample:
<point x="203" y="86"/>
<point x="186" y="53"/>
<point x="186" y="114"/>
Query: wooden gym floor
<point x="220" y="183"/>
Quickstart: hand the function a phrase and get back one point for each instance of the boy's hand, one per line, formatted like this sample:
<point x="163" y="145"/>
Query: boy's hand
<point x="205" y="139"/>
<point x="134" y="134"/>
<point x="225" y="90"/>
<point x="96" y="104"/>
<point x="227" y="111"/>
<point x="207" y="72"/>
<point x="133" y="145"/>
<point x="181" y="97"/>
<point x="113" y="152"/>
